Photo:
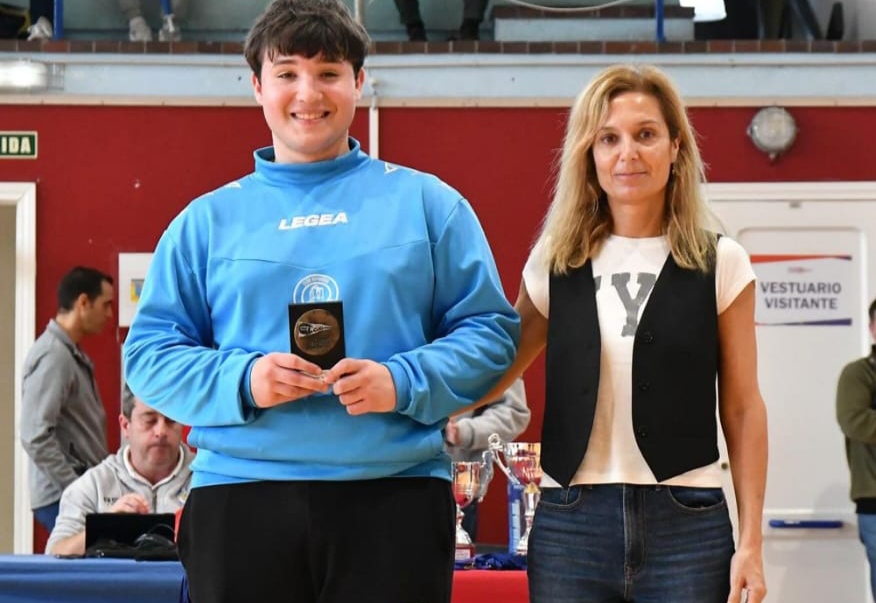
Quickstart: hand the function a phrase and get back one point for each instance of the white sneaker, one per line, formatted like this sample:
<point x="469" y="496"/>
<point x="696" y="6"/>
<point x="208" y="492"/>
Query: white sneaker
<point x="169" y="31"/>
<point x="41" y="30"/>
<point x="138" y="30"/>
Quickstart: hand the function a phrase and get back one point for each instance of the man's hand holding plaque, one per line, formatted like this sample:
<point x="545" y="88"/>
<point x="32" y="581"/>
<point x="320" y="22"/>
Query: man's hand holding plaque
<point x="280" y="377"/>
<point x="317" y="365"/>
<point x="362" y="386"/>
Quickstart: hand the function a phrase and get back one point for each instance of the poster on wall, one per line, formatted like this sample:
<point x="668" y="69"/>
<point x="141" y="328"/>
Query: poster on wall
<point x="132" y="273"/>
<point x="798" y="290"/>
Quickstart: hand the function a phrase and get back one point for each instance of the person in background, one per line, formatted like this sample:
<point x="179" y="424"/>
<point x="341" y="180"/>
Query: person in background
<point x="63" y="423"/>
<point x="41" y="15"/>
<point x="321" y="478"/>
<point x="149" y="474"/>
<point x="467" y="435"/>
<point x="856" y="415"/>
<point x="139" y="29"/>
<point x="641" y="307"/>
<point x="472" y="15"/>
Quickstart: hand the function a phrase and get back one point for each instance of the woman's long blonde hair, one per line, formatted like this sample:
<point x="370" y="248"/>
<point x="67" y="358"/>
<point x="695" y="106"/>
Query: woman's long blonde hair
<point x="579" y="219"/>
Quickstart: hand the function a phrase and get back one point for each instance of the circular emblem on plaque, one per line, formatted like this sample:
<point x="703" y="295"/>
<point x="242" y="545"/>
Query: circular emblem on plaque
<point x="316" y="332"/>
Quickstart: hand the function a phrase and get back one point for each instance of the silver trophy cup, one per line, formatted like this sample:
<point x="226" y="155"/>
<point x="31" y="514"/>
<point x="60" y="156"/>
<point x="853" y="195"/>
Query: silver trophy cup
<point x="522" y="466"/>
<point x="470" y="481"/>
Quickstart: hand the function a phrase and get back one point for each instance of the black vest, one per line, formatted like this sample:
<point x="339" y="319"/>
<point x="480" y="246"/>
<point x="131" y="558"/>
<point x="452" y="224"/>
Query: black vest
<point x="675" y="363"/>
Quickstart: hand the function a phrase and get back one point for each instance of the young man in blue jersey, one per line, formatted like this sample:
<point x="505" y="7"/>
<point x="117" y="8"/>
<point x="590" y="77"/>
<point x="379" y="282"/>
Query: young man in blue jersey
<point x="319" y="482"/>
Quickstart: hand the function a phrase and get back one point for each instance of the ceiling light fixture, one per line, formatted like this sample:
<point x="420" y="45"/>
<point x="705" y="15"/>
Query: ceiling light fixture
<point x="23" y="76"/>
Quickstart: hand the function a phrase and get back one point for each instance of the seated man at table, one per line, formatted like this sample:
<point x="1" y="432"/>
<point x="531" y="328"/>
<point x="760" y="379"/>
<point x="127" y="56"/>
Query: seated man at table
<point x="150" y="474"/>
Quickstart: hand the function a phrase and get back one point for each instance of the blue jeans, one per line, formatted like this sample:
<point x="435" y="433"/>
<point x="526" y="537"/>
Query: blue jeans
<point x="867" y="532"/>
<point x="47" y="515"/>
<point x="617" y="542"/>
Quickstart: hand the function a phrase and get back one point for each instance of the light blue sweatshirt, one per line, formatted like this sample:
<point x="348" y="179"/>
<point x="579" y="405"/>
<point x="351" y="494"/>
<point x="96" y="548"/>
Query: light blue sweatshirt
<point x="420" y="291"/>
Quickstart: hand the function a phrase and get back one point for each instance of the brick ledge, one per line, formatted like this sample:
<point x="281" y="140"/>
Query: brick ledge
<point x="465" y="47"/>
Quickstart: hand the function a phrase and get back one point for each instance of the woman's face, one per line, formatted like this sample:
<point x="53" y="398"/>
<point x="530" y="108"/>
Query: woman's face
<point x="633" y="151"/>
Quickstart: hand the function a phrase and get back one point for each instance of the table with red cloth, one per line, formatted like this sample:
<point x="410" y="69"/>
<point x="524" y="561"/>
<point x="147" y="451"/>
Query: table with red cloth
<point x="490" y="586"/>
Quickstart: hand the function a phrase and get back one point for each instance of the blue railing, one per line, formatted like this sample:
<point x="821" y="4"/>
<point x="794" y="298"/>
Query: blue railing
<point x="58" y="16"/>
<point x="658" y="17"/>
<point x="58" y="20"/>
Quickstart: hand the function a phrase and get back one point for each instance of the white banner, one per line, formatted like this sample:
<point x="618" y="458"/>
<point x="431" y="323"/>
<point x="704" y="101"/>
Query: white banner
<point x="804" y="289"/>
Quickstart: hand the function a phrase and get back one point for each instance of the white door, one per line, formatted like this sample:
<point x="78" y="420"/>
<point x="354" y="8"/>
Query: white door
<point x="13" y="468"/>
<point x="813" y="247"/>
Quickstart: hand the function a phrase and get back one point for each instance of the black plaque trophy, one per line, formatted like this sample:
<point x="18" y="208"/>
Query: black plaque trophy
<point x="316" y="332"/>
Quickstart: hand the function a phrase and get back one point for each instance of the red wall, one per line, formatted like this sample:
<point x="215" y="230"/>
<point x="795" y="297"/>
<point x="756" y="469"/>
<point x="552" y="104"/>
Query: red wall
<point x="109" y="179"/>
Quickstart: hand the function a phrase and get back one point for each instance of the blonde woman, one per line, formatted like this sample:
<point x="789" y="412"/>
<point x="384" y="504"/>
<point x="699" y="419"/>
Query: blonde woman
<point x="641" y="308"/>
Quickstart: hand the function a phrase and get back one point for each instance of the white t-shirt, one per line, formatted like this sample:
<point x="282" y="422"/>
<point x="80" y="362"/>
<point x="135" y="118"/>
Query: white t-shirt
<point x="625" y="271"/>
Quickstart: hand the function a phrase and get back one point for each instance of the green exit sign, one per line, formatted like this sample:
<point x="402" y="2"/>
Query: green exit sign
<point x="18" y="145"/>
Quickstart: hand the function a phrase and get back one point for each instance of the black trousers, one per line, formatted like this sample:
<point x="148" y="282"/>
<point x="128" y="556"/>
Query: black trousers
<point x="41" y="8"/>
<point x="409" y="10"/>
<point x="372" y="541"/>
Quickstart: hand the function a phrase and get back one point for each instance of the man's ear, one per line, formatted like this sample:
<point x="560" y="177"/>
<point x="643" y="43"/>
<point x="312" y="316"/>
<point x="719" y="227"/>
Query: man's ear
<point x="257" y="88"/>
<point x="360" y="83"/>
<point x="82" y="301"/>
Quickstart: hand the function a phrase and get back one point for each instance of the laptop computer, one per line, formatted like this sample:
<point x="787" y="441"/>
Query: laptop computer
<point x="126" y="528"/>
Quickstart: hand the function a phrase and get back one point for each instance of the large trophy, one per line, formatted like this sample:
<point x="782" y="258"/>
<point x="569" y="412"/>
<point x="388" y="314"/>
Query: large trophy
<point x="522" y="466"/>
<point x="470" y="481"/>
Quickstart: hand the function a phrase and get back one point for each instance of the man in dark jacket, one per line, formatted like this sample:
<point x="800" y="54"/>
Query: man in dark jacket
<point x="856" y="414"/>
